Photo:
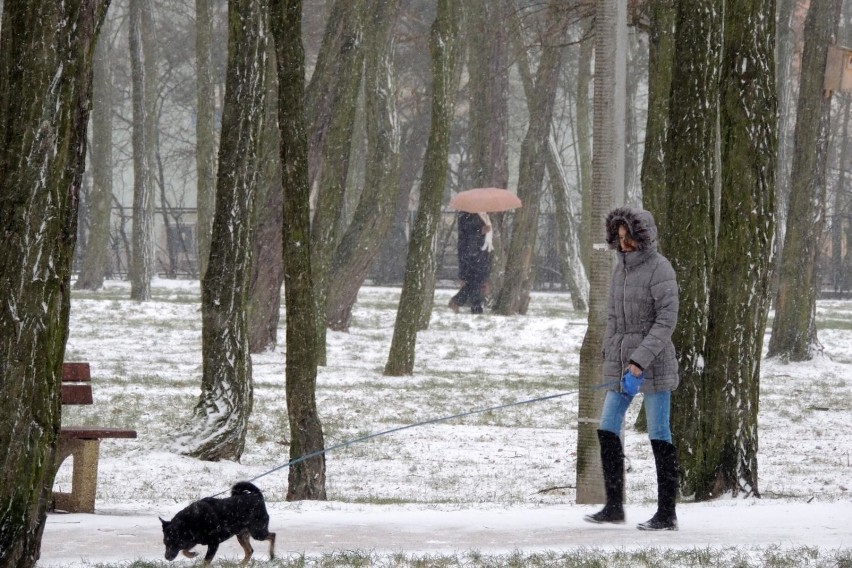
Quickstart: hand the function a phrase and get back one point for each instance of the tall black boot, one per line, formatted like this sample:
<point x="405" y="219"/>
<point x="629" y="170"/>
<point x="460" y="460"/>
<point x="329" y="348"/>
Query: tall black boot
<point x="612" y="460"/>
<point x="665" y="519"/>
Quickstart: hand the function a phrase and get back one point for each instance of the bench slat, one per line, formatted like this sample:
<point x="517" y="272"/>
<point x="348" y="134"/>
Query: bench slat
<point x="76" y="372"/>
<point x="77" y="394"/>
<point x="95" y="432"/>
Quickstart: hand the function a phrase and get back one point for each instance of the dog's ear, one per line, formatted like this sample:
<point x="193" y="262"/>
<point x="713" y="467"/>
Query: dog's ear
<point x="165" y="523"/>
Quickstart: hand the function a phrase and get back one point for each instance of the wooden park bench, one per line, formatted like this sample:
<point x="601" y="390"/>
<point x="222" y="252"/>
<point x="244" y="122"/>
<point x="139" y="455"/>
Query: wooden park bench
<point x="82" y="442"/>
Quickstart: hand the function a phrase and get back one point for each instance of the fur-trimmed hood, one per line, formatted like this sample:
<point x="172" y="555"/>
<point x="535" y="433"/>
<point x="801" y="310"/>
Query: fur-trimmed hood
<point x="640" y="224"/>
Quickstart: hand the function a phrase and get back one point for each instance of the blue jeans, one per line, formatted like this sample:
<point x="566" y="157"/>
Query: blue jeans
<point x="657" y="407"/>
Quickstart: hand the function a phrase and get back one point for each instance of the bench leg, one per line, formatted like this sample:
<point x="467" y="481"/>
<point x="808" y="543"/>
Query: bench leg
<point x="84" y="476"/>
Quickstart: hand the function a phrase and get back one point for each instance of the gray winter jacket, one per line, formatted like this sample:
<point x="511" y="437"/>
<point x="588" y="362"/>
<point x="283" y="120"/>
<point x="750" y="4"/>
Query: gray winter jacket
<point x="643" y="305"/>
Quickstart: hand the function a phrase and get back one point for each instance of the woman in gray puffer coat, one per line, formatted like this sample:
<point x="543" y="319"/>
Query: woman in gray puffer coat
<point x="639" y="357"/>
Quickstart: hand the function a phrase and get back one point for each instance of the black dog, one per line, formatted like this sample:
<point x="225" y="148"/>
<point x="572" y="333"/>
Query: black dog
<point x="212" y="521"/>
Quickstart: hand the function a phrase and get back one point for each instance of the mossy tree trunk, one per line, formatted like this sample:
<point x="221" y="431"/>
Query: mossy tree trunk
<point x="443" y="47"/>
<point x="739" y="301"/>
<point x="794" y="333"/>
<point x="205" y="132"/>
<point x="375" y="211"/>
<point x="513" y="296"/>
<point x="45" y="90"/>
<point x="335" y="152"/>
<point x="217" y="429"/>
<point x="689" y="238"/>
<point x="94" y="266"/>
<point x="306" y="479"/>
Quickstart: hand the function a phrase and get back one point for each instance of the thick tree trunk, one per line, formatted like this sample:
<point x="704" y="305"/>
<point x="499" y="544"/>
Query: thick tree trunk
<point x="607" y="178"/>
<point x="141" y="261"/>
<point x="45" y="89"/>
<point x="218" y="426"/>
<point x="307" y="478"/>
<point x="690" y="177"/>
<point x="442" y="46"/>
<point x="739" y="301"/>
<point x="513" y="296"/>
<point x="335" y="151"/>
<point x="661" y="55"/>
<point x="794" y="333"/>
<point x="94" y="266"/>
<point x="205" y="132"/>
<point x="375" y="211"/>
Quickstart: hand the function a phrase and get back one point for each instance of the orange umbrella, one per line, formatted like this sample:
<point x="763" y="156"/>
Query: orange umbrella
<point x="485" y="200"/>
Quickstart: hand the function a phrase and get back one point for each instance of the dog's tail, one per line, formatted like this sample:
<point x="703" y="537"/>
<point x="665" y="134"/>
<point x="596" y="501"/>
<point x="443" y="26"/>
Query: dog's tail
<point x="244" y="488"/>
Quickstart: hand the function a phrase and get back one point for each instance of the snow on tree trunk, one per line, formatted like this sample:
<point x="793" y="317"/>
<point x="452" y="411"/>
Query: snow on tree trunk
<point x="607" y="177"/>
<point x="306" y="479"/>
<point x="513" y="296"/>
<point x="45" y="90"/>
<point x="794" y="333"/>
<point x="217" y="428"/>
<point x="443" y="47"/>
<point x="739" y="301"/>
<point x="374" y="214"/>
<point x="688" y="236"/>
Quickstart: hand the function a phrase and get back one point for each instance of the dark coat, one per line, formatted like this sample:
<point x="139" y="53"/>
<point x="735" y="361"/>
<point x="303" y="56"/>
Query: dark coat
<point x="474" y="263"/>
<point x="643" y="305"/>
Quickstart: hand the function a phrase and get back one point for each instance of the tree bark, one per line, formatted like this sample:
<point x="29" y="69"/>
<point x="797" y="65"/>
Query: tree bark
<point x="513" y="296"/>
<point x="690" y="172"/>
<point x="375" y="211"/>
<point x="205" y="131"/>
<point x="442" y="46"/>
<point x="840" y="201"/>
<point x="794" y="333"/>
<point x="335" y="151"/>
<point x="584" y="147"/>
<point x="45" y="90"/>
<point x="94" y="266"/>
<point x="217" y="429"/>
<point x="739" y="301"/>
<point x="141" y="262"/>
<point x="607" y="176"/>
<point x="307" y="478"/>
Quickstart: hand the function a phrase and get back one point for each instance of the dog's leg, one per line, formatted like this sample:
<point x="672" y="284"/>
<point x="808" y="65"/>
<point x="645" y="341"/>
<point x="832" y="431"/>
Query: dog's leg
<point x="243" y="539"/>
<point x="271" y="539"/>
<point x="189" y="553"/>
<point x="211" y="552"/>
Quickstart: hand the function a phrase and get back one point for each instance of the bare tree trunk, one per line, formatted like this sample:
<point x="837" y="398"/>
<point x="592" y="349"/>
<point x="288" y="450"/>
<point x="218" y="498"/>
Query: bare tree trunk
<point x="840" y="199"/>
<point x="794" y="333"/>
<point x="94" y="267"/>
<point x="513" y="296"/>
<point x="739" y="301"/>
<point x="335" y="151"/>
<point x="307" y="478"/>
<point x="141" y="262"/>
<point x="607" y="176"/>
<point x="442" y="46"/>
<point x="45" y="90"/>
<point x="690" y="178"/>
<point x="375" y="211"/>
<point x="217" y="429"/>
<point x="584" y="148"/>
<point x="205" y="132"/>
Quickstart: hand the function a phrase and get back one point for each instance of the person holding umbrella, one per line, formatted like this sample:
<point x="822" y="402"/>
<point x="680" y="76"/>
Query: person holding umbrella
<point x="474" y="251"/>
<point x="639" y="356"/>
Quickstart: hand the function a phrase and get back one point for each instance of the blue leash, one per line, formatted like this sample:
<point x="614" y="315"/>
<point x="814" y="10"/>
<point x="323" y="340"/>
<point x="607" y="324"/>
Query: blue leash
<point x="300" y="459"/>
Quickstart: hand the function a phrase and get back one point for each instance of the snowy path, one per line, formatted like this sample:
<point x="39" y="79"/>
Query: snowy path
<point x="316" y="528"/>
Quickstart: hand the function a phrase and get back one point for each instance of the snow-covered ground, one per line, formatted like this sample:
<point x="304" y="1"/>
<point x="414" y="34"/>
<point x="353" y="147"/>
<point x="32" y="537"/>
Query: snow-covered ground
<point x="495" y="481"/>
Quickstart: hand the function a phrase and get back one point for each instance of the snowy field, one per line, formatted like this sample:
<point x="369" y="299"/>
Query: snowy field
<point x="512" y="470"/>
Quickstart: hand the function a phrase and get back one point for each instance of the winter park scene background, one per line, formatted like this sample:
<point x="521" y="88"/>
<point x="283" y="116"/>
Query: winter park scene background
<point x="279" y="178"/>
<point x="497" y="485"/>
